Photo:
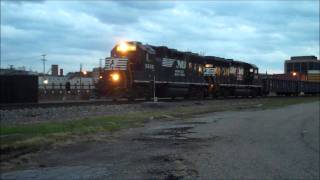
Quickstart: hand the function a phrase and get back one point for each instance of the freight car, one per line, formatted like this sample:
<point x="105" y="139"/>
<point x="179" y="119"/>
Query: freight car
<point x="141" y="70"/>
<point x="289" y="87"/>
<point x="15" y="88"/>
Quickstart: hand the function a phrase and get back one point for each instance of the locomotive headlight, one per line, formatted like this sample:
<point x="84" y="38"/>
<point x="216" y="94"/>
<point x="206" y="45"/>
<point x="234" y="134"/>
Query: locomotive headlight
<point x="115" y="76"/>
<point x="125" y="47"/>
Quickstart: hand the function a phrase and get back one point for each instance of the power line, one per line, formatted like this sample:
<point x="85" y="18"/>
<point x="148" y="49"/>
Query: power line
<point x="28" y="58"/>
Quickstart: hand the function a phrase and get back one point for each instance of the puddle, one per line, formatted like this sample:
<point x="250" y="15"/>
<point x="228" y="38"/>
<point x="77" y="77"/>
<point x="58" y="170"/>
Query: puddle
<point x="173" y="166"/>
<point x="174" y="135"/>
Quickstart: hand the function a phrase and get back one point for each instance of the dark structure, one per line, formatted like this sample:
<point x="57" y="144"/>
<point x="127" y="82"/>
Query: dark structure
<point x="301" y="64"/>
<point x="18" y="89"/>
<point x="54" y="69"/>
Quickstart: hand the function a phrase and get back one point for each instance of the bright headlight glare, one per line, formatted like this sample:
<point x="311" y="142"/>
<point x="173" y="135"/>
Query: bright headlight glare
<point x="115" y="76"/>
<point x="125" y="47"/>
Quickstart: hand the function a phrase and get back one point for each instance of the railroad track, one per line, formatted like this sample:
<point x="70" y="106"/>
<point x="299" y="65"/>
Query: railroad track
<point x="110" y="102"/>
<point x="61" y="104"/>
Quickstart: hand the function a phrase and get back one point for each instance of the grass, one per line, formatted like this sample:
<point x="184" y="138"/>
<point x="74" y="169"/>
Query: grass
<point x="281" y="102"/>
<point x="31" y="137"/>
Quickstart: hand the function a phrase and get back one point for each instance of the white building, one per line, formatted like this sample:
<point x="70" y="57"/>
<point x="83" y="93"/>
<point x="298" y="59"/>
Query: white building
<point x="59" y="82"/>
<point x="86" y="83"/>
<point x="52" y="82"/>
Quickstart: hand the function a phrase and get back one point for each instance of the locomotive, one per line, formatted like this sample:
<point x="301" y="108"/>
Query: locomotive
<point x="140" y="70"/>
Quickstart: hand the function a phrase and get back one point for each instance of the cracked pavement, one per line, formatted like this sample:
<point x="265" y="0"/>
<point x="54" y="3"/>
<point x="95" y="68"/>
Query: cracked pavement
<point x="280" y="143"/>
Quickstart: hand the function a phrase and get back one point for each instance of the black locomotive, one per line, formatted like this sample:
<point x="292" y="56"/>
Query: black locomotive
<point x="140" y="70"/>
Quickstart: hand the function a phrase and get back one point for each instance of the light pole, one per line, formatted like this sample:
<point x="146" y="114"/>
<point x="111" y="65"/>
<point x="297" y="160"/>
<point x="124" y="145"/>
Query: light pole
<point x="44" y="62"/>
<point x="295" y="77"/>
<point x="80" y="74"/>
<point x="155" y="99"/>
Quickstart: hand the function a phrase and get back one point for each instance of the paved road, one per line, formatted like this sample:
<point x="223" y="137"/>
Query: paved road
<point x="257" y="144"/>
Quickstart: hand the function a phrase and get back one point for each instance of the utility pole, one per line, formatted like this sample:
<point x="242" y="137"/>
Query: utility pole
<point x="80" y="76"/>
<point x="44" y="62"/>
<point x="100" y="65"/>
<point x="155" y="99"/>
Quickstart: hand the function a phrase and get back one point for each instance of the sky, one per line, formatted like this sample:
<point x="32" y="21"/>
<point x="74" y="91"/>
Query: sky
<point x="73" y="32"/>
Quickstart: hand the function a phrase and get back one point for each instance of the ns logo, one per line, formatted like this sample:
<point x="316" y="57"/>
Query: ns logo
<point x="181" y="64"/>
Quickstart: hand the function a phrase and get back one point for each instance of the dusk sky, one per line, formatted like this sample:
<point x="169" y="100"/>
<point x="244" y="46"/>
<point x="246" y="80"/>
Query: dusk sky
<point x="72" y="32"/>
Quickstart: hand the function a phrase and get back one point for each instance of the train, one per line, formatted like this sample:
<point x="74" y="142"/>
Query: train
<point x="136" y="70"/>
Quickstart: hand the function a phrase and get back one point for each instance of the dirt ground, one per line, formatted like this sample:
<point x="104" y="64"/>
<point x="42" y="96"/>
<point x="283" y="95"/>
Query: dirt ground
<point x="278" y="143"/>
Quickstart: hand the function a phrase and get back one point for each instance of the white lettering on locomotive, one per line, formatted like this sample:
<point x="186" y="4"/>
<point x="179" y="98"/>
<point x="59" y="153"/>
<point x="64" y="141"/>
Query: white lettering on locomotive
<point x="149" y="66"/>
<point x="179" y="72"/>
<point x="181" y="64"/>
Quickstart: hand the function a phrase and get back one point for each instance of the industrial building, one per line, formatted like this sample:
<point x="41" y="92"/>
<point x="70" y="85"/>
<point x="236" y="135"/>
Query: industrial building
<point x="303" y="67"/>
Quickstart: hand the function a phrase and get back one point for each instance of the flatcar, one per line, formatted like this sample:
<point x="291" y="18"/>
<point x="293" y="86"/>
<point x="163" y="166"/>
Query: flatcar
<point x="141" y="70"/>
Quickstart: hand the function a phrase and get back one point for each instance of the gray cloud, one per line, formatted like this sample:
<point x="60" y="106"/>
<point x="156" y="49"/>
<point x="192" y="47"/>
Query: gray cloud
<point x="73" y="32"/>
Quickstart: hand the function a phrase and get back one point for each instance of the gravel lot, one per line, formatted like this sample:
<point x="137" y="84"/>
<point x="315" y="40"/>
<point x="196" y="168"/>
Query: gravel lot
<point x="278" y="143"/>
<point x="34" y="115"/>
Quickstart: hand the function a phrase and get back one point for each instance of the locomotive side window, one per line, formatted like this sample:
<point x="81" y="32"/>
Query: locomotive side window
<point x="251" y="70"/>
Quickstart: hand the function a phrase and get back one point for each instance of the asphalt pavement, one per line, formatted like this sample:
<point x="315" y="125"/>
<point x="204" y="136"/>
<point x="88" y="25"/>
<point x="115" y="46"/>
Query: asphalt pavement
<point x="280" y="143"/>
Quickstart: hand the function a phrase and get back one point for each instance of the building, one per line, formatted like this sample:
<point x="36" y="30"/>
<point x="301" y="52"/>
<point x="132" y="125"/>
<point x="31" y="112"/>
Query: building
<point x="301" y="64"/>
<point x="54" y="70"/>
<point x="75" y="81"/>
<point x="313" y="75"/>
<point x="303" y="67"/>
<point x="52" y="82"/>
<point x="81" y="83"/>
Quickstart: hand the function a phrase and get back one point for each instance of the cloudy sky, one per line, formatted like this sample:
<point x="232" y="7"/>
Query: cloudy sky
<point x="72" y="32"/>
